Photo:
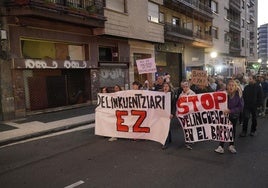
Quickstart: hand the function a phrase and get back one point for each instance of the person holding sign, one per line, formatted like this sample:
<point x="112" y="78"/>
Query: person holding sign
<point x="166" y="89"/>
<point x="235" y="106"/>
<point x="185" y="85"/>
<point x="116" y="89"/>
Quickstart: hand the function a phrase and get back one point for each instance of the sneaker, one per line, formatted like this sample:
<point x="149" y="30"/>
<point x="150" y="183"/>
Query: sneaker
<point x="188" y="146"/>
<point x="252" y="134"/>
<point x="243" y="134"/>
<point x="232" y="149"/>
<point x="219" y="150"/>
<point x="112" y="139"/>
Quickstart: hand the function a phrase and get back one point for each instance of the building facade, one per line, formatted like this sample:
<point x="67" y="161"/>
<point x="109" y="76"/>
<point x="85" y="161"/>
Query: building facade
<point x="49" y="58"/>
<point x="234" y="36"/>
<point x="263" y="47"/>
<point x="57" y="54"/>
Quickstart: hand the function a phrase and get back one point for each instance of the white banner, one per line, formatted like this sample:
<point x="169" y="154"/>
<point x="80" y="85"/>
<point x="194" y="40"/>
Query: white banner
<point x="202" y="118"/>
<point x="137" y="114"/>
<point x="146" y="65"/>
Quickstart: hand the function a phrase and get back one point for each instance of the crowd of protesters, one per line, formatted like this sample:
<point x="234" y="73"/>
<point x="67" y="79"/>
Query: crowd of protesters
<point x="247" y="99"/>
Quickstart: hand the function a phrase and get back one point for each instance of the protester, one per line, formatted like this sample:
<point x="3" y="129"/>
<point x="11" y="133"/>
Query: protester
<point x="167" y="77"/>
<point x="186" y="91"/>
<point x="166" y="89"/>
<point x="252" y="96"/>
<point x="212" y="84"/>
<point x="202" y="89"/>
<point x="136" y="85"/>
<point x="104" y="90"/>
<point x="146" y="85"/>
<point x="116" y="89"/>
<point x="264" y="86"/>
<point x="158" y="86"/>
<point x="234" y="107"/>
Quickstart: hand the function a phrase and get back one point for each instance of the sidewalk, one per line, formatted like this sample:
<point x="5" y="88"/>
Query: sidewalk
<point x="41" y="124"/>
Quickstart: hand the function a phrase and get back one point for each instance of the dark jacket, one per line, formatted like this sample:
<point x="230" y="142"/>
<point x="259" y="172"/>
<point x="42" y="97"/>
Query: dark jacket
<point x="235" y="104"/>
<point x="252" y="95"/>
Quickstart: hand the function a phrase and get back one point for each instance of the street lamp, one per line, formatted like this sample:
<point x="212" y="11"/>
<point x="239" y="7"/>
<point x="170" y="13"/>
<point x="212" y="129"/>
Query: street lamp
<point x="213" y="55"/>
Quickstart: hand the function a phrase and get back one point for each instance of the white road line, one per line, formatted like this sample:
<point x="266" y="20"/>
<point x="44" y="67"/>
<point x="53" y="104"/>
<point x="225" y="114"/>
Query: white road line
<point x="88" y="126"/>
<point x="75" y="184"/>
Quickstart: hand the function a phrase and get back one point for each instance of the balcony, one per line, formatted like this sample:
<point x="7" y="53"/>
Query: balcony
<point x="190" y="8"/>
<point x="234" y="4"/>
<point x="178" y="34"/>
<point x="235" y="25"/>
<point x="84" y="13"/>
<point x="234" y="47"/>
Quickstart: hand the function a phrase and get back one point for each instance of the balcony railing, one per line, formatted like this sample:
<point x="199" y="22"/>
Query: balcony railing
<point x="187" y="33"/>
<point x="193" y="4"/>
<point x="76" y="7"/>
<point x="235" y="46"/>
<point x="235" y="25"/>
<point x="235" y="4"/>
<point x="179" y="30"/>
<point x="197" y="5"/>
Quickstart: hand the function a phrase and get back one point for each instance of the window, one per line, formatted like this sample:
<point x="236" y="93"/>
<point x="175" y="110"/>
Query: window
<point x="105" y="54"/>
<point x="176" y="21"/>
<point x="215" y="32"/>
<point x="243" y="4"/>
<point x="153" y="12"/>
<point x="117" y="5"/>
<point x="243" y="42"/>
<point x="214" y="6"/>
<point x="161" y="17"/>
<point x="226" y="37"/>
<point x="38" y="49"/>
<point x="243" y="23"/>
<point x="108" y="53"/>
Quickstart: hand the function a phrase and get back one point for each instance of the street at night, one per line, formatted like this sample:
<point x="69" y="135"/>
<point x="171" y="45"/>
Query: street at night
<point x="81" y="159"/>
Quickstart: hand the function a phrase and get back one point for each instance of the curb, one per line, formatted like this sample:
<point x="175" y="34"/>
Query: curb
<point x="46" y="132"/>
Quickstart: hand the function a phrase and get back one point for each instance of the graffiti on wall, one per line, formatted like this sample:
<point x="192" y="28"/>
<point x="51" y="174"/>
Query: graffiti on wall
<point x="41" y="64"/>
<point x="51" y="64"/>
<point x="110" y="77"/>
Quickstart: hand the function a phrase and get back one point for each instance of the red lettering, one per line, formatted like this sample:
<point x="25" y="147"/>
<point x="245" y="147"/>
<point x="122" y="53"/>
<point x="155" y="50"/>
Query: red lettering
<point x="137" y="126"/>
<point x="219" y="97"/>
<point x="193" y="99"/>
<point x="120" y="120"/>
<point x="207" y="101"/>
<point x="182" y="107"/>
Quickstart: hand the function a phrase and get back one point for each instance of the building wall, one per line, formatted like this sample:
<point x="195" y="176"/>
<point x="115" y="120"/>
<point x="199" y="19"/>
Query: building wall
<point x="134" y="23"/>
<point x="221" y="22"/>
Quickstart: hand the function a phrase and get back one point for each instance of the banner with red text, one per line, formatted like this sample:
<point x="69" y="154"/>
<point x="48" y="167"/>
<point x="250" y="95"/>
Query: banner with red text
<point x="137" y="114"/>
<point x="202" y="118"/>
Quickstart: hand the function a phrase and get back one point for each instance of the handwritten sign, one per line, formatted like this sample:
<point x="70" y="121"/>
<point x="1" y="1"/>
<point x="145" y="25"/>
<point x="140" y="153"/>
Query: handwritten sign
<point x="146" y="65"/>
<point x="199" y="77"/>
<point x="138" y="114"/>
<point x="202" y="118"/>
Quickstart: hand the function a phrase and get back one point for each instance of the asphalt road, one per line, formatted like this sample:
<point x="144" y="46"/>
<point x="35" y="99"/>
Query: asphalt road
<point x="81" y="159"/>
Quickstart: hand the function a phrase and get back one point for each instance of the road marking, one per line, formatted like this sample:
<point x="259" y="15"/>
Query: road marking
<point x="83" y="127"/>
<point x="75" y="184"/>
